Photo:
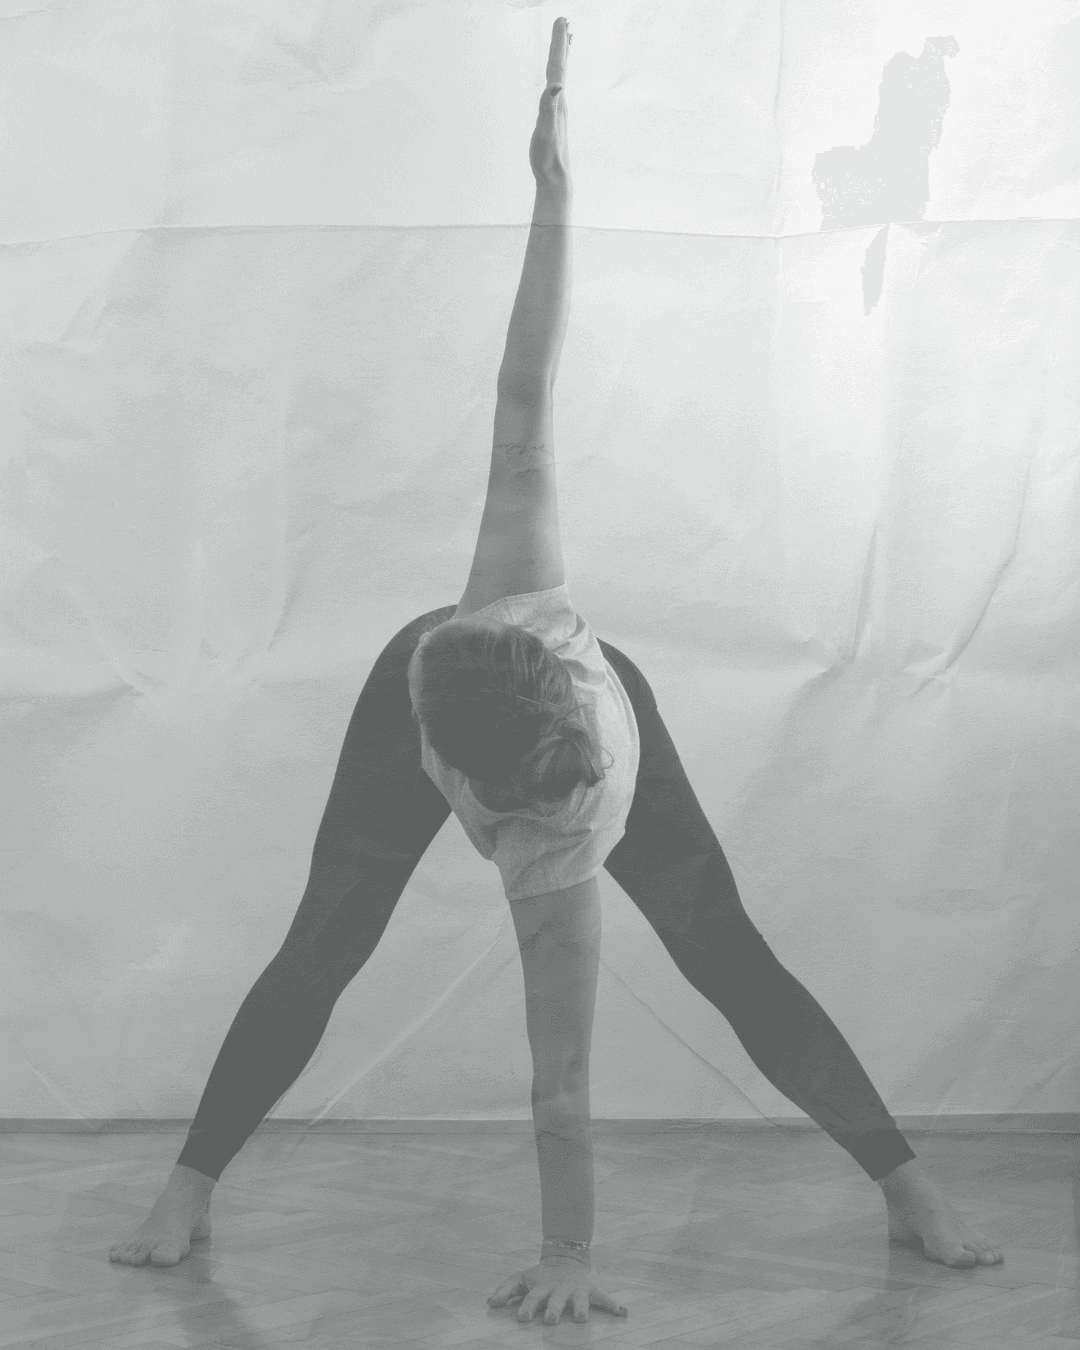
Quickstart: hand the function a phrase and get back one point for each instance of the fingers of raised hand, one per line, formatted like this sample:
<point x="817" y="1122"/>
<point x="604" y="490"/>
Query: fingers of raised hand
<point x="557" y="54"/>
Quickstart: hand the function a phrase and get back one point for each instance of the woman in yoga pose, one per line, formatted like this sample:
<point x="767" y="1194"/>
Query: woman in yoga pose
<point x="547" y="744"/>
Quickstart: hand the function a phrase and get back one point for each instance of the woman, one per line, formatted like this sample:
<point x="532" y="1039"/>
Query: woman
<point x="548" y="746"/>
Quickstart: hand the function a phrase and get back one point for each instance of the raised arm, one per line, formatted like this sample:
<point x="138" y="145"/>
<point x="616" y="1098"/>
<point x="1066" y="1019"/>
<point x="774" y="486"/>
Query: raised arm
<point x="538" y="321"/>
<point x="519" y="547"/>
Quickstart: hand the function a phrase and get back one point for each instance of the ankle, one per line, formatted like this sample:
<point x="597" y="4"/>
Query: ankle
<point x="189" y="1181"/>
<point x="900" y="1177"/>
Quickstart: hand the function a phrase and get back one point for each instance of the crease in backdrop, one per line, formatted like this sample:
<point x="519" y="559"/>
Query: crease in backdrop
<point x="816" y="420"/>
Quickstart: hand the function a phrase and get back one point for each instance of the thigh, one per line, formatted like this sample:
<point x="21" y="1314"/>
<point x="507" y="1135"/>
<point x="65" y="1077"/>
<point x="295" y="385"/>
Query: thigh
<point x="382" y="813"/>
<point x="669" y="861"/>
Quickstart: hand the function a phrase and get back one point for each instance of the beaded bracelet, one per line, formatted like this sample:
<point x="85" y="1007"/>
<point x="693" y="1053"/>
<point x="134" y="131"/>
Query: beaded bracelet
<point x="575" y="1247"/>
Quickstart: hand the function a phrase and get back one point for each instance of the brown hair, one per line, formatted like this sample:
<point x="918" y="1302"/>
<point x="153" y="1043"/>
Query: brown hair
<point x="501" y="708"/>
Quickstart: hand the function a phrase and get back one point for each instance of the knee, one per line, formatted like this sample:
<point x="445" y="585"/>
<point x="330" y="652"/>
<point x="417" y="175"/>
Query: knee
<point x="305" y="971"/>
<point x="719" y="922"/>
<point x="319" y="968"/>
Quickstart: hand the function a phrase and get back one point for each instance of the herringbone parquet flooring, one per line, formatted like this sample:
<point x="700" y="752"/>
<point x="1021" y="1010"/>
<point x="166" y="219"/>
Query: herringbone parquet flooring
<point x="767" y="1239"/>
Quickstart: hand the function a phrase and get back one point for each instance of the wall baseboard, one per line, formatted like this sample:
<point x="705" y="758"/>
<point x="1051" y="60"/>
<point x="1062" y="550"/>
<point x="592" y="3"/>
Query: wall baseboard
<point x="1009" y="1122"/>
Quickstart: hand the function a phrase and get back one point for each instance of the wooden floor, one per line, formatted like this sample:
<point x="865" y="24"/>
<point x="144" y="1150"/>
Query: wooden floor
<point x="767" y="1239"/>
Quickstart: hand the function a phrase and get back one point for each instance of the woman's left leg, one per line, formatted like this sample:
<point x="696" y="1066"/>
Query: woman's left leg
<point x="671" y="865"/>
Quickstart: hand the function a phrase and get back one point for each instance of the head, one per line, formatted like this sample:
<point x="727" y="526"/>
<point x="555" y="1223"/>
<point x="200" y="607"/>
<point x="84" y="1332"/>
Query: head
<point x="464" y="680"/>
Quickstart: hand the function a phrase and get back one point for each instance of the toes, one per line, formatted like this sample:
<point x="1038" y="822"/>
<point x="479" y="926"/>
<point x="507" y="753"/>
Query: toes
<point x="953" y="1255"/>
<point x="985" y="1254"/>
<point x="130" y="1254"/>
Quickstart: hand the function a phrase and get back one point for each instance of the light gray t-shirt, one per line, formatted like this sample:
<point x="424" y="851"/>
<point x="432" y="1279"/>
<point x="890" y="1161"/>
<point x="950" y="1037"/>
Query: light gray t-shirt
<point x="550" y="847"/>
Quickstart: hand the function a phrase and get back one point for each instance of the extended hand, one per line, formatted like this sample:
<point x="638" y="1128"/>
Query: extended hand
<point x="558" y="1280"/>
<point x="549" y="153"/>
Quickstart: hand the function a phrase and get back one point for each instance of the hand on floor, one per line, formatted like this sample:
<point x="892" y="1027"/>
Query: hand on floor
<point x="558" y="1281"/>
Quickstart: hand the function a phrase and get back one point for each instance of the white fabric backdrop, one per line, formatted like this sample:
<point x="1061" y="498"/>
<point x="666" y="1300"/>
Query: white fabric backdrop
<point x="816" y="421"/>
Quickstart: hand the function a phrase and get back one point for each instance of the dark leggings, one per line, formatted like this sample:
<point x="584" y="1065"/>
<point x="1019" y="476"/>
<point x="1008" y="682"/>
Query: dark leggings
<point x="382" y="814"/>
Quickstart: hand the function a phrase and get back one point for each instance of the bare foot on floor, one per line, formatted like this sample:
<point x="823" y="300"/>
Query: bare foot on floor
<point x="921" y="1216"/>
<point x="179" y="1217"/>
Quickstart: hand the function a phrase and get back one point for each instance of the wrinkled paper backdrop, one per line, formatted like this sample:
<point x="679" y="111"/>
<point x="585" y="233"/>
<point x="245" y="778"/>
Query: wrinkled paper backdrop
<point x="816" y="421"/>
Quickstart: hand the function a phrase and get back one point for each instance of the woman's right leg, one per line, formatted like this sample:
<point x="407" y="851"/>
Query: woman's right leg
<point x="382" y="813"/>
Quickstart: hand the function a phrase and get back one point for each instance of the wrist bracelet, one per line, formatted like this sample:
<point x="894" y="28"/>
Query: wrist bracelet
<point x="582" y="1247"/>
